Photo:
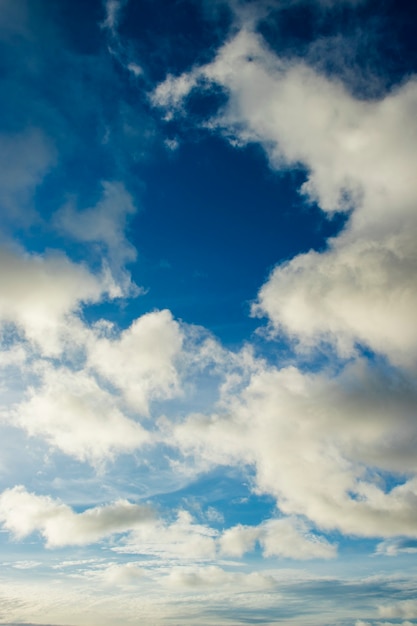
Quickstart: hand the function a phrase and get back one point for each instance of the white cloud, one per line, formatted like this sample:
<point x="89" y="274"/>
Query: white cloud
<point x="213" y="576"/>
<point x="77" y="416"/>
<point x="171" y="92"/>
<point x="26" y="564"/>
<point x="238" y="540"/>
<point x="23" y="513"/>
<point x="39" y="294"/>
<point x="120" y="574"/>
<point x="359" y="292"/>
<point x="290" y="538"/>
<point x="141" y="361"/>
<point x="286" y="537"/>
<point x="311" y="437"/>
<point x="404" y="609"/>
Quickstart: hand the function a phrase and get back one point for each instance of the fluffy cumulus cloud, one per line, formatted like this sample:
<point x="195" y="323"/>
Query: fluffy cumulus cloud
<point x="23" y="513"/>
<point x="340" y="432"/>
<point x="141" y="360"/>
<point x="399" y="545"/>
<point x="355" y="293"/>
<point x="78" y="417"/>
<point x="40" y="294"/>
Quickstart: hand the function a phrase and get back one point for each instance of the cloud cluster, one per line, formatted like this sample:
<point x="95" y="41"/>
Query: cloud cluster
<point x="182" y="540"/>
<point x="89" y="406"/>
<point x="359" y="156"/>
<point x="320" y="443"/>
<point x="186" y="540"/>
<point x="362" y="293"/>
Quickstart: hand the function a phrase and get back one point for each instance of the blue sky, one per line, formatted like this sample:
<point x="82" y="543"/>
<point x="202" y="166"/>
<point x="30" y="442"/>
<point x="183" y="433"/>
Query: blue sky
<point x="207" y="312"/>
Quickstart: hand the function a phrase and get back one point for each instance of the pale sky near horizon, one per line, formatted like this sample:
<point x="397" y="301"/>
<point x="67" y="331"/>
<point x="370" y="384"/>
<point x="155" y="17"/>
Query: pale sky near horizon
<point x="208" y="305"/>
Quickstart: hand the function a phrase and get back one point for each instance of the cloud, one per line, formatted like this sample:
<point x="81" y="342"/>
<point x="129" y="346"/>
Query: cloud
<point x="285" y="537"/>
<point x="181" y="539"/>
<point x="26" y="564"/>
<point x="112" y="9"/>
<point x="77" y="416"/>
<point x="23" y="513"/>
<point x="104" y="224"/>
<point x="238" y="540"/>
<point x="213" y="576"/>
<point x="141" y="361"/>
<point x="39" y="293"/>
<point x="362" y="292"/>
<point x="394" y="547"/>
<point x="290" y="538"/>
<point x="291" y="425"/>
<point x="184" y="539"/>
<point x="120" y="575"/>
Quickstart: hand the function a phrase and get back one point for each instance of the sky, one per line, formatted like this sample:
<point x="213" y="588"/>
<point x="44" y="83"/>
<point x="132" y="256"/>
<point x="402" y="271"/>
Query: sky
<point x="208" y="304"/>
